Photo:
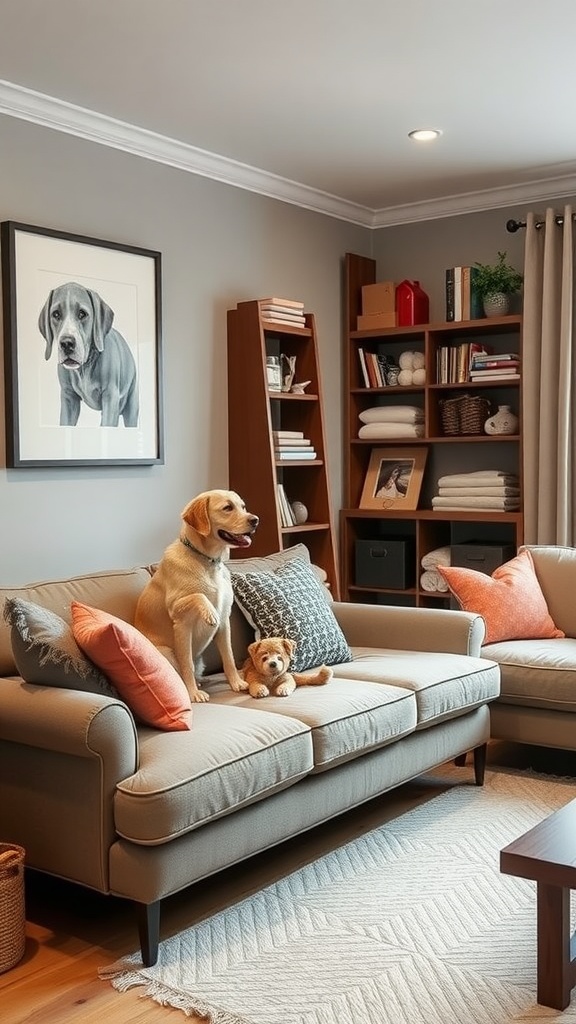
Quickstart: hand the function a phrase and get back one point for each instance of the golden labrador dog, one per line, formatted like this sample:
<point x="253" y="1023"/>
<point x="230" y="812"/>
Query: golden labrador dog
<point x="187" y="602"/>
<point x="266" y="669"/>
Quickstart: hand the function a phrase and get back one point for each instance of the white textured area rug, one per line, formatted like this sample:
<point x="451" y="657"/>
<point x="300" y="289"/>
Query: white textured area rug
<point x="410" y="924"/>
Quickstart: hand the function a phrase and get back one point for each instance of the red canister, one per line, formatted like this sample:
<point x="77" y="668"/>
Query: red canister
<point x="412" y="304"/>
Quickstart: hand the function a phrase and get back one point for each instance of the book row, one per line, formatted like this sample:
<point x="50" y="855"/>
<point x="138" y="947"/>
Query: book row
<point x="471" y="361"/>
<point x="287" y="517"/>
<point x="463" y="301"/>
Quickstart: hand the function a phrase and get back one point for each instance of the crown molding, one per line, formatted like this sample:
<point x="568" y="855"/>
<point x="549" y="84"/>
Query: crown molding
<point x="49" y="112"/>
<point x="475" y="202"/>
<point x="59" y="115"/>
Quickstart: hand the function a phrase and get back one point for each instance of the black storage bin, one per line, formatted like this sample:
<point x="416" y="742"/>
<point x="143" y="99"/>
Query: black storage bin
<point x="482" y="557"/>
<point x="385" y="562"/>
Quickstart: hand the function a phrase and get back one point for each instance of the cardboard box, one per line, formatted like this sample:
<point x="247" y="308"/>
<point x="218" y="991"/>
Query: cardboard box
<point x="379" y="298"/>
<point x="375" y="321"/>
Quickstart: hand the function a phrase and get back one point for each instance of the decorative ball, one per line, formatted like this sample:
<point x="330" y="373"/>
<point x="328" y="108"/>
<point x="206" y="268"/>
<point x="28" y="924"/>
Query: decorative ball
<point x="405" y="378"/>
<point x="300" y="512"/>
<point x="406" y="360"/>
<point x="418" y="360"/>
<point x="419" y="377"/>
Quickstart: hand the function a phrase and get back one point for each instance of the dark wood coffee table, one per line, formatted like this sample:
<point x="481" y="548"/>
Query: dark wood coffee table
<point x="547" y="854"/>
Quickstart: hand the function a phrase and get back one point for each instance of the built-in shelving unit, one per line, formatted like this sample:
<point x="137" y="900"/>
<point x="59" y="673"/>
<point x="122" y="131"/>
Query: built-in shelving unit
<point x="424" y="528"/>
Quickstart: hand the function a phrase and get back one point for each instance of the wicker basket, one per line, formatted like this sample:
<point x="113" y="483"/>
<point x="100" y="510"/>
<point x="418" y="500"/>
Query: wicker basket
<point x="12" y="913"/>
<point x="464" y="415"/>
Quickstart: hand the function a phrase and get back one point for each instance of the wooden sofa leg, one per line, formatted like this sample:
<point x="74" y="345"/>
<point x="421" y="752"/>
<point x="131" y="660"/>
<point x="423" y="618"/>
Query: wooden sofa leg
<point x="149" y="931"/>
<point x="479" y="763"/>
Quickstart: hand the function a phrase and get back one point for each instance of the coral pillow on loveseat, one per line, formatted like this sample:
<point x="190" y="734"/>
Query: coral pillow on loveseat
<point x="510" y="601"/>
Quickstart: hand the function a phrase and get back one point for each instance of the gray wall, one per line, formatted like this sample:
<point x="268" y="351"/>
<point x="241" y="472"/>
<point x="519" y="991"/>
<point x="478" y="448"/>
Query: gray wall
<point x="220" y="245"/>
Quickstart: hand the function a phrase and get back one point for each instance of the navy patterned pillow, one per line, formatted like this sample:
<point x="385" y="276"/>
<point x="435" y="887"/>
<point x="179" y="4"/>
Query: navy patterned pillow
<point x="292" y="603"/>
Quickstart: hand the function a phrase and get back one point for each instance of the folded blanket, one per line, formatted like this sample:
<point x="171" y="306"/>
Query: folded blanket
<point x="478" y="492"/>
<point x="483" y="478"/>
<point x="466" y="508"/>
<point x="496" y="504"/>
<point x="439" y="556"/>
<point x="431" y="580"/>
<point x="392" y="414"/>
<point x="380" y="430"/>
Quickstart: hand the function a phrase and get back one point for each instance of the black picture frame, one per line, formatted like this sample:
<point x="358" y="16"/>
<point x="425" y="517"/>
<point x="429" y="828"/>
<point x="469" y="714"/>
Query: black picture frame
<point x="82" y="350"/>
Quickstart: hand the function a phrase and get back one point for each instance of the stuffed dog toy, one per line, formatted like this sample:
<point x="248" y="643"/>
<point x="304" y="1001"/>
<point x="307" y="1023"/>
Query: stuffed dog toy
<point x="266" y="669"/>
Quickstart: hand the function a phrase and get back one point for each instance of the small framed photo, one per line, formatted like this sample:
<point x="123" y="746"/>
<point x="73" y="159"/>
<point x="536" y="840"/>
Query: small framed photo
<point x="394" y="478"/>
<point x="82" y="333"/>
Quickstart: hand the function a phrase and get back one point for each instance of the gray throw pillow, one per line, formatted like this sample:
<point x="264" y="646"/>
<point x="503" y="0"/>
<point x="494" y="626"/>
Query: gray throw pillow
<point x="46" y="652"/>
<point x="292" y="603"/>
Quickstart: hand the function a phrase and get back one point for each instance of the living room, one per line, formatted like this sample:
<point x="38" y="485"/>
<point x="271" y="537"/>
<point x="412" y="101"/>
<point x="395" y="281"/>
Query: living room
<point x="220" y="244"/>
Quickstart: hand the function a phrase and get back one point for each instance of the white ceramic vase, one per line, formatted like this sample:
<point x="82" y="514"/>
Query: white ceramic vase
<point x="503" y="422"/>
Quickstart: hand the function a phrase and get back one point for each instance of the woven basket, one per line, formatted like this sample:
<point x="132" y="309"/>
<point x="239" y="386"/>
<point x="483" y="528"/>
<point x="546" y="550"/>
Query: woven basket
<point x="464" y="415"/>
<point x="12" y="913"/>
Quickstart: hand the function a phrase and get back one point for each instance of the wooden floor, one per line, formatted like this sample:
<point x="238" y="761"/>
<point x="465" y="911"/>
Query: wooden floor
<point x="71" y="933"/>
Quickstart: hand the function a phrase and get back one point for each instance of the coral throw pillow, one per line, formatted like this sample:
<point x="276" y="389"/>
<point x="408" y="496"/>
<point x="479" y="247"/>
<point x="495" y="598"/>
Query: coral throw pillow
<point x="510" y="600"/>
<point x="144" y="678"/>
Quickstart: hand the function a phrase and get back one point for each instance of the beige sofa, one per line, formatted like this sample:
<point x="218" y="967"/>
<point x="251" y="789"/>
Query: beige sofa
<point x="537" y="702"/>
<point x="131" y="811"/>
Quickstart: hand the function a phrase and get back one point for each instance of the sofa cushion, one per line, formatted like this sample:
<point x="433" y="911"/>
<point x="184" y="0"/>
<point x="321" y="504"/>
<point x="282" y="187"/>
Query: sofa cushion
<point x="537" y="673"/>
<point x="510" y="600"/>
<point x="144" y="678"/>
<point x="292" y="603"/>
<point x="346" y="717"/>
<point x="46" y="652"/>
<point x="231" y="758"/>
<point x="116" y="592"/>
<point x="445" y="685"/>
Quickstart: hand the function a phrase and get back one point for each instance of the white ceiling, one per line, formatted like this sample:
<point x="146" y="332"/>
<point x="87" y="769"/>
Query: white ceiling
<point x="312" y="100"/>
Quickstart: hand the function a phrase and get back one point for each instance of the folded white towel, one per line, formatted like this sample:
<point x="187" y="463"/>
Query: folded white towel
<point x="439" y="556"/>
<point x="431" y="580"/>
<point x="380" y="430"/>
<point x="478" y="492"/>
<point x="392" y="414"/>
<point x="496" y="504"/>
<point x="482" y="478"/>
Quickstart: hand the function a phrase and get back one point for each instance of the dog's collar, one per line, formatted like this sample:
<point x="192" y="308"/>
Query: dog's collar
<point x="187" y="544"/>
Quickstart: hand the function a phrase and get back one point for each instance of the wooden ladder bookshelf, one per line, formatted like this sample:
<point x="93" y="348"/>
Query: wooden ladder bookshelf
<point x="254" y="412"/>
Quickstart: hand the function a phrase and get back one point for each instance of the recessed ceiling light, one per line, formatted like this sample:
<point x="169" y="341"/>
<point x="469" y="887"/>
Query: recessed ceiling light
<point x="424" y="134"/>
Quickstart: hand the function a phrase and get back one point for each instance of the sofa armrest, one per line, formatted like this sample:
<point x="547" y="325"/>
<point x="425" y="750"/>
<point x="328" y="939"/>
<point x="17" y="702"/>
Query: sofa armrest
<point x="62" y="754"/>
<point x="410" y="629"/>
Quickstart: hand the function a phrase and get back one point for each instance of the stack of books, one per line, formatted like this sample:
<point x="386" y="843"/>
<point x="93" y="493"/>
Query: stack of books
<point x="495" y="366"/>
<point x="462" y="299"/>
<point x="291" y="445"/>
<point x="287" y="312"/>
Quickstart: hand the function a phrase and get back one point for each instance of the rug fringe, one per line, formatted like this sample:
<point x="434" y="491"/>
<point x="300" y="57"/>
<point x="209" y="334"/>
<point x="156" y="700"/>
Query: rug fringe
<point x="123" y="979"/>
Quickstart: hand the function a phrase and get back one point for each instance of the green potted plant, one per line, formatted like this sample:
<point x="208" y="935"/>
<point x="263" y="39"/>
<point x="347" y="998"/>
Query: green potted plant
<point x="495" y="283"/>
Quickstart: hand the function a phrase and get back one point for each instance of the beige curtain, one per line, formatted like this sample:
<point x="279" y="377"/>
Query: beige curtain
<point x="549" y="381"/>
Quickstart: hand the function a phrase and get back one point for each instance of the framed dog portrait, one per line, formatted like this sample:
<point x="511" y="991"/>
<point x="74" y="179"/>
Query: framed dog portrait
<point x="394" y="478"/>
<point x="82" y="359"/>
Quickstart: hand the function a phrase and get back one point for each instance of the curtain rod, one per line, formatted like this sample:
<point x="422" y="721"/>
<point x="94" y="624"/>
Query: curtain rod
<point x="514" y="225"/>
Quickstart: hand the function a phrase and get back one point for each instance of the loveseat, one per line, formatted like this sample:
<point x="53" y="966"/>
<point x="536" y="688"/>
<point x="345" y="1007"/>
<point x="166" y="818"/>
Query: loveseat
<point x="97" y="797"/>
<point x="537" y="702"/>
